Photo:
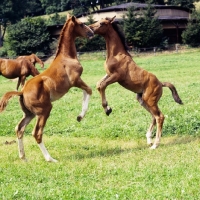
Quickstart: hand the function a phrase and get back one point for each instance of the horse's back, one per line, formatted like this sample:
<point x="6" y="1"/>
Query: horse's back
<point x="10" y="68"/>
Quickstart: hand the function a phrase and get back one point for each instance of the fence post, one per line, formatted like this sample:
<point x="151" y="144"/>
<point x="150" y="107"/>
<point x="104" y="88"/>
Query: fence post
<point x="177" y="46"/>
<point x="154" y="50"/>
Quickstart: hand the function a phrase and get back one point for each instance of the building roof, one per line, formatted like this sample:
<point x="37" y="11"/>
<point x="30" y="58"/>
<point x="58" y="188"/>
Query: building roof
<point x="163" y="12"/>
<point x="125" y="6"/>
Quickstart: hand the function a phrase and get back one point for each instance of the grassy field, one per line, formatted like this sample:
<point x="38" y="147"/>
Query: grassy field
<point x="107" y="157"/>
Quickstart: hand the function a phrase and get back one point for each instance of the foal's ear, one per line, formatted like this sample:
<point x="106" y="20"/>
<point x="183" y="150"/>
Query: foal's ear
<point x="68" y="15"/>
<point x="74" y="19"/>
<point x="113" y="19"/>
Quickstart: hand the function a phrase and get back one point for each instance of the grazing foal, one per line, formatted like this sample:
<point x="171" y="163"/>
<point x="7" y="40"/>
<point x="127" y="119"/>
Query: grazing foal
<point x="33" y="59"/>
<point x="38" y="93"/>
<point x="120" y="68"/>
<point x="17" y="68"/>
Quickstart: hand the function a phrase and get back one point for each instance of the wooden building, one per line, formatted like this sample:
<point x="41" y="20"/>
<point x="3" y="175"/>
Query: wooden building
<point x="173" y="18"/>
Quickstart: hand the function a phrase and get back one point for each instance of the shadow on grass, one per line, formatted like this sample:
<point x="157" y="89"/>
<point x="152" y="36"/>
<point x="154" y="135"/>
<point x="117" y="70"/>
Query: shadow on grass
<point x="93" y="152"/>
<point x="181" y="140"/>
<point x="104" y="152"/>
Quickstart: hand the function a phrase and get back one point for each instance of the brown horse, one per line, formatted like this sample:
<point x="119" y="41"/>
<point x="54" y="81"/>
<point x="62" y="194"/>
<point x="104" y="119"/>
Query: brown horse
<point x="120" y="68"/>
<point x="17" y="68"/>
<point x="38" y="93"/>
<point x="33" y="59"/>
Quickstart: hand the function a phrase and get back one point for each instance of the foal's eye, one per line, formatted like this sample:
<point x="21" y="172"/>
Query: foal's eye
<point x="101" y="23"/>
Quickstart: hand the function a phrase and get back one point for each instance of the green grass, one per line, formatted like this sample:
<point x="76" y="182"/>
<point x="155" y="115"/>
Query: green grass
<point x="107" y="157"/>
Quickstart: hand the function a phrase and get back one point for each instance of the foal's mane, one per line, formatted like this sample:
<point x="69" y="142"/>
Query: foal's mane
<point x="120" y="33"/>
<point x="60" y="38"/>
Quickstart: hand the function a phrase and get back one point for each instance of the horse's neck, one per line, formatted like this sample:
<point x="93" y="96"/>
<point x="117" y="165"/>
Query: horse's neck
<point x="114" y="45"/>
<point x="67" y="44"/>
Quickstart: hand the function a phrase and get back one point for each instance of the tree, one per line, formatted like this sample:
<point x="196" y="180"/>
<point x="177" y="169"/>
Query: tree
<point x="142" y="28"/>
<point x="30" y="35"/>
<point x="191" y="35"/>
<point x="56" y="19"/>
<point x="185" y="4"/>
<point x="34" y="8"/>
<point x="10" y="12"/>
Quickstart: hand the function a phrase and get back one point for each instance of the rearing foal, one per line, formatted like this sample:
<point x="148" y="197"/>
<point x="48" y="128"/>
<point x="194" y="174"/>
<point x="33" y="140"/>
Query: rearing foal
<point x="37" y="94"/>
<point x="121" y="68"/>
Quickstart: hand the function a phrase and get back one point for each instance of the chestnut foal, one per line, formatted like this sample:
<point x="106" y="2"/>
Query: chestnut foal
<point x="17" y="68"/>
<point x="120" y="68"/>
<point x="33" y="59"/>
<point x="37" y="94"/>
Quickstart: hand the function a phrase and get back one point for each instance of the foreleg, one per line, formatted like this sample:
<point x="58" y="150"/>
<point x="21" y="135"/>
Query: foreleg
<point x="101" y="87"/>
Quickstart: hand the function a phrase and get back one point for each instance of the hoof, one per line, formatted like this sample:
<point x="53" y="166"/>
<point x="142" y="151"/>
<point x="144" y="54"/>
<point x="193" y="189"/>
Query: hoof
<point x="108" y="111"/>
<point x="24" y="159"/>
<point x="153" y="147"/>
<point x="79" y="118"/>
<point x="51" y="160"/>
<point x="150" y="144"/>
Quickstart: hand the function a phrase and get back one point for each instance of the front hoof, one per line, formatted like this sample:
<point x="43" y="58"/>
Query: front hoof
<point x="109" y="110"/>
<point x="79" y="118"/>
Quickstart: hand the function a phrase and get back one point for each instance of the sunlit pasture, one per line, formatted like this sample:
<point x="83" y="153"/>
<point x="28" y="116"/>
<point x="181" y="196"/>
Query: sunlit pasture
<point x="105" y="157"/>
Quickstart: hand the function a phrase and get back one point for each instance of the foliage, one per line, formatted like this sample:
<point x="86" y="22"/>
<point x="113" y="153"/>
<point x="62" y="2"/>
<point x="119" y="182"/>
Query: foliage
<point x="56" y="19"/>
<point x="53" y="6"/>
<point x="30" y="35"/>
<point x="185" y="4"/>
<point x="34" y="8"/>
<point x="142" y="28"/>
<point x="191" y="35"/>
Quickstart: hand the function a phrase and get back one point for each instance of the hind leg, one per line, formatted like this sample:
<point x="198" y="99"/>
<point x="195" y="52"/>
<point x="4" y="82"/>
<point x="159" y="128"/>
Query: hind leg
<point x="18" y="83"/>
<point x="158" y="118"/>
<point x="87" y="92"/>
<point x="37" y="134"/>
<point x="159" y="121"/>
<point x="42" y="116"/>
<point x="151" y="127"/>
<point x="20" y="128"/>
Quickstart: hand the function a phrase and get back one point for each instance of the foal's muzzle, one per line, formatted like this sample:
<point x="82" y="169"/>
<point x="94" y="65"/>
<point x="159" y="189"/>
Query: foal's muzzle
<point x="90" y="35"/>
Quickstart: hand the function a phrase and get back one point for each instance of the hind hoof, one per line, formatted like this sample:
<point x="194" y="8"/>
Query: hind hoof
<point x="79" y="118"/>
<point x="149" y="144"/>
<point x="153" y="146"/>
<point x="108" y="111"/>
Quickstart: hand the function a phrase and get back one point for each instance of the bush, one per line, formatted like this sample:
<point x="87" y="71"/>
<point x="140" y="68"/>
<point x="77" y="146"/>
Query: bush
<point x="3" y="52"/>
<point x="142" y="28"/>
<point x="30" y="35"/>
<point x="191" y="35"/>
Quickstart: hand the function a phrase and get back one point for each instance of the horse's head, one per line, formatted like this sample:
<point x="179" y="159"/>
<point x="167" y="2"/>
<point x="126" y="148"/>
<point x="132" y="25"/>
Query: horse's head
<point x="102" y="26"/>
<point x="35" y="59"/>
<point x="80" y="29"/>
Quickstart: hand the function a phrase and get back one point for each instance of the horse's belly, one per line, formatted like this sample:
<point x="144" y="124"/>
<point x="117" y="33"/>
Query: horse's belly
<point x="59" y="91"/>
<point x="137" y="88"/>
<point x="55" y="95"/>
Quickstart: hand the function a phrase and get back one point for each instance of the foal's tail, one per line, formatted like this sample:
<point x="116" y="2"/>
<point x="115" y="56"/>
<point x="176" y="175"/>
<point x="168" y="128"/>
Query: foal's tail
<point x="174" y="91"/>
<point x="6" y="97"/>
